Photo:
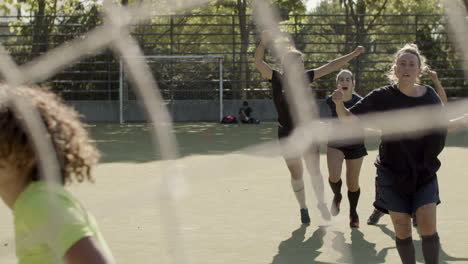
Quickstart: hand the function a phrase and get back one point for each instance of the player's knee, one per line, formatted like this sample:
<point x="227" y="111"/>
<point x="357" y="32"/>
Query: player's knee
<point x="296" y="174"/>
<point x="402" y="228"/>
<point x="314" y="170"/>
<point x="427" y="225"/>
<point x="402" y="234"/>
<point x="333" y="177"/>
<point x="352" y="186"/>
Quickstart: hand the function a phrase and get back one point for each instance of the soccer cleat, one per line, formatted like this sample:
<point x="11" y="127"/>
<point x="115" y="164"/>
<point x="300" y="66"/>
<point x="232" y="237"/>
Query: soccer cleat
<point x="354" y="221"/>
<point x="335" y="207"/>
<point x="305" y="219"/>
<point x="323" y="208"/>
<point x="374" y="217"/>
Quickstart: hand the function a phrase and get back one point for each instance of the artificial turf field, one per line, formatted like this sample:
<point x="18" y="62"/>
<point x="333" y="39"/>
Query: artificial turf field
<point x="238" y="207"/>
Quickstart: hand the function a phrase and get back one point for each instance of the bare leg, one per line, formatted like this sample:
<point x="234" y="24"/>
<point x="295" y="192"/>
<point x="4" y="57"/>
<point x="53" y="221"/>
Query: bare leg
<point x="335" y="160"/>
<point x="312" y="160"/>
<point x="404" y="241"/>
<point x="297" y="181"/>
<point x="426" y="216"/>
<point x="353" y="169"/>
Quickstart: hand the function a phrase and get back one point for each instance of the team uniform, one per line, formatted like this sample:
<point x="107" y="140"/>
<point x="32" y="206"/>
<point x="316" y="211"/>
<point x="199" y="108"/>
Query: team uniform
<point x="406" y="168"/>
<point x="285" y="121"/>
<point x="355" y="150"/>
<point x="285" y="128"/>
<point x="48" y="222"/>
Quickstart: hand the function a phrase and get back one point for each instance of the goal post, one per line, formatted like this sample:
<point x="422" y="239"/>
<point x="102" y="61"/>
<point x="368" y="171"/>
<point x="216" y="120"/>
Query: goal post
<point x="188" y="78"/>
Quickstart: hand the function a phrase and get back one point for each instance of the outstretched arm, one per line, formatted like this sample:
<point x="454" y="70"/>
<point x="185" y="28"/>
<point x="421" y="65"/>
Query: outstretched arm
<point x="439" y="89"/>
<point x="260" y="64"/>
<point x="343" y="113"/>
<point x="337" y="63"/>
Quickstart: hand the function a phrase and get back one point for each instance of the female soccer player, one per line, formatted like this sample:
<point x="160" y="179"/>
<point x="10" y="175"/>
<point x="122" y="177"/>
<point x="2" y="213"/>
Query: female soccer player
<point x="286" y="124"/>
<point x="352" y="152"/>
<point x="377" y="214"/>
<point x="51" y="226"/>
<point x="406" y="168"/>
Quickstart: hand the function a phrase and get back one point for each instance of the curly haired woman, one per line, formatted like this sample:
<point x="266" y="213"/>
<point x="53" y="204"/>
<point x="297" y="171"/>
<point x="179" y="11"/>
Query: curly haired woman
<point x="51" y="226"/>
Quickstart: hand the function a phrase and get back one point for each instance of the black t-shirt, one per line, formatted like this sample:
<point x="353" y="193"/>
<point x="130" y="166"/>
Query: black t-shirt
<point x="358" y="143"/>
<point x="246" y="109"/>
<point x="279" y="98"/>
<point x="410" y="162"/>
<point x="347" y="104"/>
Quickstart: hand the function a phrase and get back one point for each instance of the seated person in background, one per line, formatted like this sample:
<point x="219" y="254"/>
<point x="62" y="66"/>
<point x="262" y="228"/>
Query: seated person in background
<point x="245" y="114"/>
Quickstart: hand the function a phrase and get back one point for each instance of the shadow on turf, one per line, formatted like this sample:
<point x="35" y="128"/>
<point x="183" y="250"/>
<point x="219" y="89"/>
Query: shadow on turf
<point x="132" y="142"/>
<point x="443" y="256"/>
<point x="359" y="250"/>
<point x="298" y="250"/>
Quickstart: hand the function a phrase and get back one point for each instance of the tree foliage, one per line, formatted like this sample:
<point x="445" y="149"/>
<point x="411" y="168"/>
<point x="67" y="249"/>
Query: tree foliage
<point x="225" y="27"/>
<point x="382" y="27"/>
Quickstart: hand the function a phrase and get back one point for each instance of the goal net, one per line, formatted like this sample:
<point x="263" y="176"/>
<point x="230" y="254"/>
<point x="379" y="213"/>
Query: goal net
<point x="191" y="86"/>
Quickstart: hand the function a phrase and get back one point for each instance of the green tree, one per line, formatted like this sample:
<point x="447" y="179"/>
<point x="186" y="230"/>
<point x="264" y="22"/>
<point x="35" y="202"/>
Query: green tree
<point x="245" y="32"/>
<point x="381" y="26"/>
<point x="44" y="15"/>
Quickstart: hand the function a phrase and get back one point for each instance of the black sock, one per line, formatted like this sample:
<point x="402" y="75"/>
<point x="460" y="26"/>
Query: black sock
<point x="405" y="249"/>
<point x="336" y="187"/>
<point x="430" y="247"/>
<point x="353" y="198"/>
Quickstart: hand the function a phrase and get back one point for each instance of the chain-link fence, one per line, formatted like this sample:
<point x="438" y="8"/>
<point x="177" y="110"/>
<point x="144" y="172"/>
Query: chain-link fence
<point x="321" y="37"/>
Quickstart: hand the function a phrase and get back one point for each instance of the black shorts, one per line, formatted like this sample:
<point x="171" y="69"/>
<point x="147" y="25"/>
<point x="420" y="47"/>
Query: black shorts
<point x="352" y="152"/>
<point x="388" y="199"/>
<point x="284" y="132"/>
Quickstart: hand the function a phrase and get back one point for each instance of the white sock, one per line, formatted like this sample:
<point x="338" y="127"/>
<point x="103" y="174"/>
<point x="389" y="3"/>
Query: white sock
<point x="316" y="179"/>
<point x="298" y="188"/>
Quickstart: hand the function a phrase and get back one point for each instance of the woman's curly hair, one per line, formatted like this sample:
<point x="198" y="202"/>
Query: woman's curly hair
<point x="74" y="150"/>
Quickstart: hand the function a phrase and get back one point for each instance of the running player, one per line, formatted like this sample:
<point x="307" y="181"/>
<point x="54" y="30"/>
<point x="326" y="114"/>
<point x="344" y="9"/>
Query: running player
<point x="286" y="124"/>
<point x="353" y="154"/>
<point x="406" y="168"/>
